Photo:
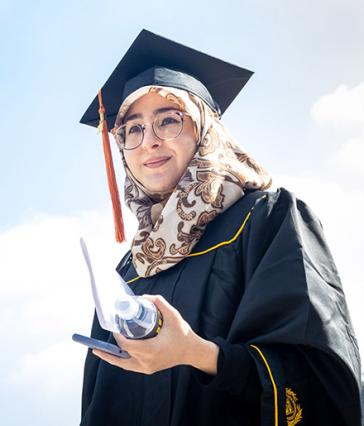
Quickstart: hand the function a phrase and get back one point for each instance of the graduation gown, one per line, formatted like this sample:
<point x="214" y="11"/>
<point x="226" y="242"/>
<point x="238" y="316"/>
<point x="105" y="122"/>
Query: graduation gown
<point x="261" y="283"/>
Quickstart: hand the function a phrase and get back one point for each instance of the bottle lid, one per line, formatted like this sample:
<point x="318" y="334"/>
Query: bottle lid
<point x="127" y="307"/>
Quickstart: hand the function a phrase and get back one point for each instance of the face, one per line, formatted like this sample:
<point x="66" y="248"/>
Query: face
<point x="159" y="164"/>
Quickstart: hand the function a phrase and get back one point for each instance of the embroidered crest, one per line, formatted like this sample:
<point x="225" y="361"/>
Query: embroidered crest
<point x="293" y="409"/>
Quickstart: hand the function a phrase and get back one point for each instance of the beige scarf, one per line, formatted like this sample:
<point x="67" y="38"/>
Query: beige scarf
<point x="171" y="224"/>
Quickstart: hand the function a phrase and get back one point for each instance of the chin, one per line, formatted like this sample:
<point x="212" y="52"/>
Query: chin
<point x="160" y="188"/>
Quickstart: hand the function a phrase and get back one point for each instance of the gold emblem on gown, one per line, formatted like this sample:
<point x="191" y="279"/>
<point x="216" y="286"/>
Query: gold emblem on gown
<point x="293" y="408"/>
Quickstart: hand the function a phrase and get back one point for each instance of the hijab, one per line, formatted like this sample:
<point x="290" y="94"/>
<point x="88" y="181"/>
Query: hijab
<point x="219" y="174"/>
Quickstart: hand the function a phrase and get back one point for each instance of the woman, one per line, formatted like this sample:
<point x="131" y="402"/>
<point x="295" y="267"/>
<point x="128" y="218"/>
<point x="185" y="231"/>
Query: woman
<point x="256" y="329"/>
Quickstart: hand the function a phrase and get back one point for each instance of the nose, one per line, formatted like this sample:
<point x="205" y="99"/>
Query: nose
<point x="150" y="140"/>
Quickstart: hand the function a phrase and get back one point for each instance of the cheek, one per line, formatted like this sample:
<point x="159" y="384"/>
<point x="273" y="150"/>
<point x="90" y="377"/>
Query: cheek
<point x="189" y="143"/>
<point x="130" y="159"/>
<point x="189" y="151"/>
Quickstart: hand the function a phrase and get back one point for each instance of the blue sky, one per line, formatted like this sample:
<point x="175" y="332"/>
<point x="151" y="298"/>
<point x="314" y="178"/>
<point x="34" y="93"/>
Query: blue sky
<point x="301" y="115"/>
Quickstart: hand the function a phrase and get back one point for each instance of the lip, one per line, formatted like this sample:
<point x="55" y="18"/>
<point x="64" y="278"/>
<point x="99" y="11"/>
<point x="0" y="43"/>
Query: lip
<point x="156" y="162"/>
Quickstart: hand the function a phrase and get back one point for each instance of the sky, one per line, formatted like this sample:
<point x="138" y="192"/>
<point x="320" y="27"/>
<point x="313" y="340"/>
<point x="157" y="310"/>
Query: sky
<point x="301" y="115"/>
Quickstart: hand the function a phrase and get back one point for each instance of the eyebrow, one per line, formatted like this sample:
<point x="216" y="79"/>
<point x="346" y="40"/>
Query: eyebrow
<point x="156" y="111"/>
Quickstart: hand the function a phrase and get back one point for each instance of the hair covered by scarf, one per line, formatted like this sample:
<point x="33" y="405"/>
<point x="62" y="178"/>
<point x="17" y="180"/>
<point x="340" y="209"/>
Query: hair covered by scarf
<point x="171" y="224"/>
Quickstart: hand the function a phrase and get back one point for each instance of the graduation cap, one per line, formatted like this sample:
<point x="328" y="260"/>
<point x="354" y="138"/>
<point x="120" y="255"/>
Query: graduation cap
<point x="217" y="82"/>
<point x="155" y="60"/>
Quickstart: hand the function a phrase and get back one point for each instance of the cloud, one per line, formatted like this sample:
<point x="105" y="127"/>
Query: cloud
<point x="38" y="370"/>
<point x="45" y="297"/>
<point x="344" y="107"/>
<point x="341" y="114"/>
<point x="349" y="157"/>
<point x="43" y="270"/>
<point x="48" y="383"/>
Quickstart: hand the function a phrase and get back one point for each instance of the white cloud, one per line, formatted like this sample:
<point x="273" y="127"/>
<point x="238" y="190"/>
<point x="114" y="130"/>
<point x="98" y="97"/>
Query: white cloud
<point x="344" y="107"/>
<point x="341" y="113"/>
<point x="53" y="369"/>
<point x="45" y="297"/>
<point x="349" y="157"/>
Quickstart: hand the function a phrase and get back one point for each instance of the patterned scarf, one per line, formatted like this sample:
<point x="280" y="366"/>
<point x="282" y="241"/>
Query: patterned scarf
<point x="170" y="224"/>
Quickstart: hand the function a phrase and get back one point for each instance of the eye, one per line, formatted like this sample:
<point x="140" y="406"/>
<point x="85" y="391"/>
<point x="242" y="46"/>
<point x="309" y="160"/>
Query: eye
<point x="170" y="120"/>
<point x="134" y="129"/>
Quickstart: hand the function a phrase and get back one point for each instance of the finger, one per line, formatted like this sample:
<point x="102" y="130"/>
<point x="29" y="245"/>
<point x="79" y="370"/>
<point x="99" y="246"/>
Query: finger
<point x="133" y="346"/>
<point x="161" y="303"/>
<point x="126" y="364"/>
<point x="121" y="340"/>
<point x="112" y="359"/>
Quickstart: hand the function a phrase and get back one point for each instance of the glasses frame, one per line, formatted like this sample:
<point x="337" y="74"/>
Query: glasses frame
<point x="143" y="126"/>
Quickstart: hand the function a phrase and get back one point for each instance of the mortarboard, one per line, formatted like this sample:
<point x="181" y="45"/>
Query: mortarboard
<point x="150" y="52"/>
<point x="155" y="60"/>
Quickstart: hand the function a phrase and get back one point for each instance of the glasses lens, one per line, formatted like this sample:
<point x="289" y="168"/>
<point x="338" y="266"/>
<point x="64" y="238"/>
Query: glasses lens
<point x="168" y="125"/>
<point x="130" y="135"/>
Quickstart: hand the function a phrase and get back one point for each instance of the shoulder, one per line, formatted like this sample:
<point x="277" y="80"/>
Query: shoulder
<point x="268" y="201"/>
<point x="258" y="212"/>
<point x="274" y="208"/>
<point x="263" y="206"/>
<point x="255" y="207"/>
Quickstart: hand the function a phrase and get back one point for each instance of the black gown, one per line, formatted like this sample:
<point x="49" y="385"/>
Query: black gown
<point x="261" y="283"/>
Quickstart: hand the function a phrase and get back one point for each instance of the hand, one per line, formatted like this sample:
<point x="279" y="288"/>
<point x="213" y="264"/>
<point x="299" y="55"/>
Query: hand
<point x="176" y="344"/>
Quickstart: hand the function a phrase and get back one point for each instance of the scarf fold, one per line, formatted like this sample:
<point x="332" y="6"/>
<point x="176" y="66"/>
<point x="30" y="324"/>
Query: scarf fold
<point x="170" y="224"/>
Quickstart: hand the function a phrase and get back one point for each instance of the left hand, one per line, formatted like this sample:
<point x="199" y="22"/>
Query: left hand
<point x="175" y="344"/>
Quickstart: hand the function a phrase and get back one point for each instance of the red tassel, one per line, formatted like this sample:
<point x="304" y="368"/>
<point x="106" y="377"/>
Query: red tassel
<point x="118" y="216"/>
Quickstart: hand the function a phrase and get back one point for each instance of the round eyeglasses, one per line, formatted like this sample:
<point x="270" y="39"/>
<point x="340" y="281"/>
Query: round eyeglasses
<point x="166" y="125"/>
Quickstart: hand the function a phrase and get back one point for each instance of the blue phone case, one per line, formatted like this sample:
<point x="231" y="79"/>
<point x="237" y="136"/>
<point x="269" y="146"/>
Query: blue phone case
<point x="99" y="344"/>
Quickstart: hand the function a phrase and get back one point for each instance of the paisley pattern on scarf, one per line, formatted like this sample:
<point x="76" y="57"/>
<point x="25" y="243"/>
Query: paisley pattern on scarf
<point x="171" y="224"/>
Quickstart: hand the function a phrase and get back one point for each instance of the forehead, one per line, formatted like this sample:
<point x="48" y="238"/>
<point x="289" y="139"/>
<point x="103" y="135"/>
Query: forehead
<point x="150" y="102"/>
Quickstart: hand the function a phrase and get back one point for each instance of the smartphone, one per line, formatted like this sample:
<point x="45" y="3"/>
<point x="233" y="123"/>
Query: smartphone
<point x="99" y="344"/>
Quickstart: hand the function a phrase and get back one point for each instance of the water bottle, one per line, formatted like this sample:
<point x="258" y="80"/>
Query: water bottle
<point x="137" y="317"/>
<point x="120" y="310"/>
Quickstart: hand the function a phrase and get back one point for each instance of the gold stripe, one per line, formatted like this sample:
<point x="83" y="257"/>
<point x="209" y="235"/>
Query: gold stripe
<point x="223" y="243"/>
<point x="133" y="279"/>
<point x="273" y="383"/>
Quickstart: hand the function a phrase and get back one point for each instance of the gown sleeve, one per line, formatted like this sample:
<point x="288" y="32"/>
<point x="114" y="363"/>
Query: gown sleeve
<point x="292" y="326"/>
<point x="235" y="370"/>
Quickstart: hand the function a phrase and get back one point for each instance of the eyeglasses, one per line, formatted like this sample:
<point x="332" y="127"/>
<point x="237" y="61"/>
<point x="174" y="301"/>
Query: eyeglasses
<point x="166" y="125"/>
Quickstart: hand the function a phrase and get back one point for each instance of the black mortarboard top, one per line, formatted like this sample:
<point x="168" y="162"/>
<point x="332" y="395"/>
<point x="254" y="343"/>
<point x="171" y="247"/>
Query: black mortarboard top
<point x="155" y="60"/>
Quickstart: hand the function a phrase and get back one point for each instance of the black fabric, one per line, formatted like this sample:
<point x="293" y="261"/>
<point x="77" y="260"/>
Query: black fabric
<point x="233" y="368"/>
<point x="273" y="302"/>
<point x="161" y="76"/>
<point x="222" y="80"/>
